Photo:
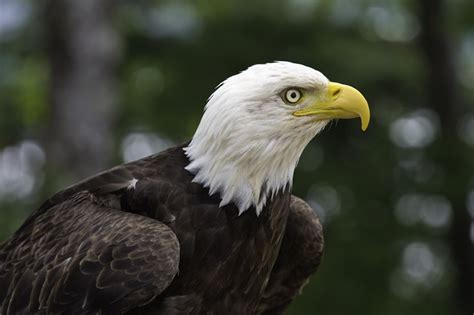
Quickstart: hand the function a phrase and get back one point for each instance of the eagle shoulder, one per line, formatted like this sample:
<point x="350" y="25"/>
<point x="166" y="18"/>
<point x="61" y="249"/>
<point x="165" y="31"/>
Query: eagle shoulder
<point x="115" y="180"/>
<point x="299" y="257"/>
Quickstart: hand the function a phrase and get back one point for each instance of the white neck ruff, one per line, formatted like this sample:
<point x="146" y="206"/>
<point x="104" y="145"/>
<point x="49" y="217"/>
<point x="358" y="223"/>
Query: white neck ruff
<point x="247" y="173"/>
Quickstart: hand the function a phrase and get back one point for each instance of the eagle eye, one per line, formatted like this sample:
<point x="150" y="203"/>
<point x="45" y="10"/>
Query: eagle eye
<point x="292" y="95"/>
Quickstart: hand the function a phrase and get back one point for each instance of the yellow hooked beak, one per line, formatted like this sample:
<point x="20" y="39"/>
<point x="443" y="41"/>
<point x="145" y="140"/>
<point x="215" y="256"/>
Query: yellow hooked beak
<point x="340" y="101"/>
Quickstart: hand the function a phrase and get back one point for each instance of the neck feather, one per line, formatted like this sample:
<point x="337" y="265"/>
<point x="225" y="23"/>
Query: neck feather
<point x="247" y="172"/>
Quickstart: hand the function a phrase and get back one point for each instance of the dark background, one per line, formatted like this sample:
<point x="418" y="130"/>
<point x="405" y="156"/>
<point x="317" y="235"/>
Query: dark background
<point x="88" y="84"/>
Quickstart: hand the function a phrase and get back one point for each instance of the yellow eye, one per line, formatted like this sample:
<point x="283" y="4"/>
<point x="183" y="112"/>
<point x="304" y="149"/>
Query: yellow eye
<point x="292" y="95"/>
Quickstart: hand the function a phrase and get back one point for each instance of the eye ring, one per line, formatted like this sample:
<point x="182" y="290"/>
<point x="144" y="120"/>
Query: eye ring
<point x="292" y="95"/>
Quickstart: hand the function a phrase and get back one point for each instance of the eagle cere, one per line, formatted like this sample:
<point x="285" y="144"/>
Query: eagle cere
<point x="208" y="227"/>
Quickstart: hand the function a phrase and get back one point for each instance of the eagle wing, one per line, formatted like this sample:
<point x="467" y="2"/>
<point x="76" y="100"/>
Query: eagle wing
<point x="300" y="255"/>
<point x="81" y="256"/>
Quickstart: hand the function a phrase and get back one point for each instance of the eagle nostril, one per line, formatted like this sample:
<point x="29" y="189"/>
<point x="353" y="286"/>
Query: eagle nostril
<point x="336" y="93"/>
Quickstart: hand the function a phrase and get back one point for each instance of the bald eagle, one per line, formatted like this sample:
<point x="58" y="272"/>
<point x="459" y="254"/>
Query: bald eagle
<point x="208" y="227"/>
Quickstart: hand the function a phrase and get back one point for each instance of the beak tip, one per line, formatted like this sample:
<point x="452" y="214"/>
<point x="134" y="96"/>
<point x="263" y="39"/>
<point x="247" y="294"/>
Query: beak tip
<point x="364" y="126"/>
<point x="365" y="117"/>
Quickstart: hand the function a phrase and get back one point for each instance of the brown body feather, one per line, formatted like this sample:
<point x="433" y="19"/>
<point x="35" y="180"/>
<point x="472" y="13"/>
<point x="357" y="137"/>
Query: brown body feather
<point x="161" y="245"/>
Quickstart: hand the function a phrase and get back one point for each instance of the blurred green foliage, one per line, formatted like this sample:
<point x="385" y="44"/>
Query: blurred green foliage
<point x="380" y="193"/>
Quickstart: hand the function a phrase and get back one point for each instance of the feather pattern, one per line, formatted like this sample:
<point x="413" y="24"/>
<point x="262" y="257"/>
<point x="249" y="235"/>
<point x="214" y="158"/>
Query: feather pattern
<point x="164" y="246"/>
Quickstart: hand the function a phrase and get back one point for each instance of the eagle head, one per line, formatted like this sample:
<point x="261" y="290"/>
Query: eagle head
<point x="256" y="125"/>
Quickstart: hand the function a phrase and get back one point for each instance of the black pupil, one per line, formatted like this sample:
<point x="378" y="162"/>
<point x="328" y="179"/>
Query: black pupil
<point x="293" y="95"/>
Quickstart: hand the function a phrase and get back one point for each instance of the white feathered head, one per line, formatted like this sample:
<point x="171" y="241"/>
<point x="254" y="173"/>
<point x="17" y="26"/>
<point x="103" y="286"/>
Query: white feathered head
<point x="256" y="125"/>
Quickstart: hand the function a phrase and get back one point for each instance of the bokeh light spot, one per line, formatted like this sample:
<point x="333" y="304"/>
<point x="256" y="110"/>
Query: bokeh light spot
<point x="20" y="169"/>
<point x="416" y="130"/>
<point x="325" y="200"/>
<point x="432" y="210"/>
<point x="138" y="145"/>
